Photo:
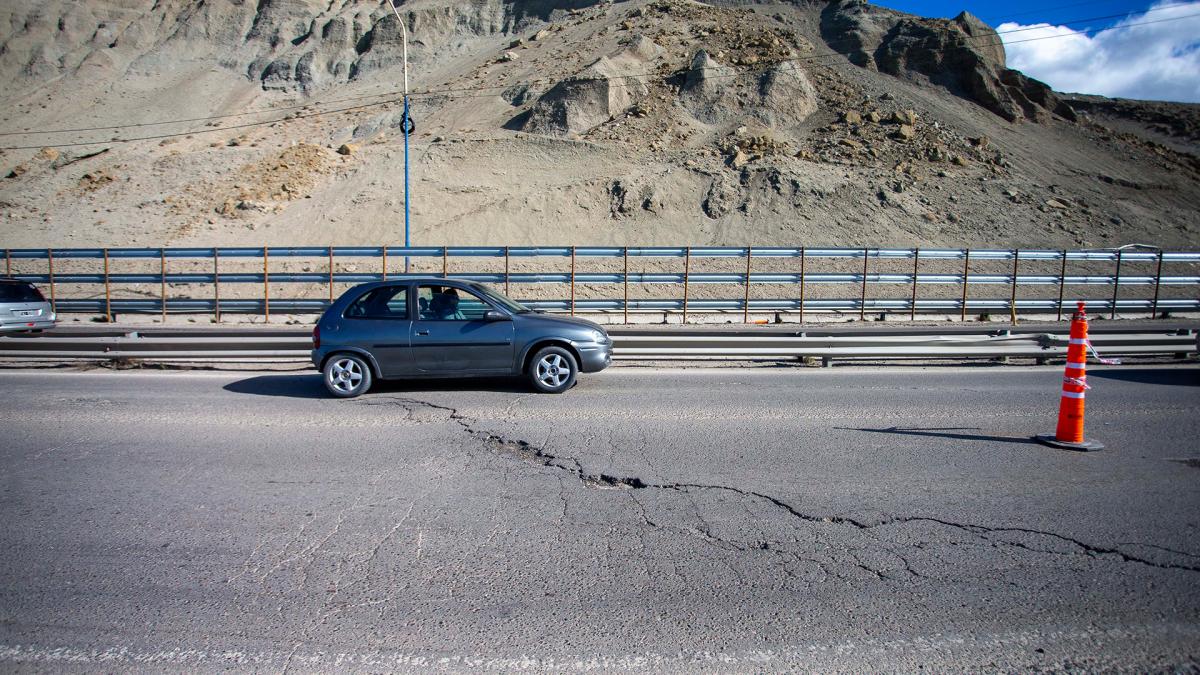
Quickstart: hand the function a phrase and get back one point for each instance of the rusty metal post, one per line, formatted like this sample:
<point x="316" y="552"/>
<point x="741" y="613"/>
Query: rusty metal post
<point x="506" y="270"/>
<point x="266" y="284"/>
<point x="1116" y="286"/>
<point x="746" y="294"/>
<point x="1062" y="282"/>
<point x="966" y="276"/>
<point x="803" y="264"/>
<point x="107" y="291"/>
<point x="1157" y="279"/>
<point x="687" y="271"/>
<point x="445" y="262"/>
<point x="217" y="283"/>
<point x="1012" y="300"/>
<point x="162" y="278"/>
<point x="625" y="304"/>
<point x="385" y="262"/>
<point x="331" y="275"/>
<point x="912" y="304"/>
<point x="862" y="298"/>
<point x="8" y="263"/>
<point x="572" y="281"/>
<point x="50" y="263"/>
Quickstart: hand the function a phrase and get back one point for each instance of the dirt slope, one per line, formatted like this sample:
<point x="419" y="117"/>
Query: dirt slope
<point x="662" y="122"/>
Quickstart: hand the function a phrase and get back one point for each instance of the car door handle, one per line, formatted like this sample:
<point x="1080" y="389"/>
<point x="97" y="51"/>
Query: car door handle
<point x="422" y="332"/>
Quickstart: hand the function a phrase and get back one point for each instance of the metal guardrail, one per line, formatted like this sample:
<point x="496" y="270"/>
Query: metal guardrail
<point x="745" y="279"/>
<point x="631" y="345"/>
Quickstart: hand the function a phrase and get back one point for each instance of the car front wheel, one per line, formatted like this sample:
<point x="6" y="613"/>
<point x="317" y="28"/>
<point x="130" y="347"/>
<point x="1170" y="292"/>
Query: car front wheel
<point x="552" y="370"/>
<point x="347" y="376"/>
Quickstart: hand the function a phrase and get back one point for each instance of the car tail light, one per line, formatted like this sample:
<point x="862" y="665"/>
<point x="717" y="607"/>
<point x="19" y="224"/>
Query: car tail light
<point x="317" y="337"/>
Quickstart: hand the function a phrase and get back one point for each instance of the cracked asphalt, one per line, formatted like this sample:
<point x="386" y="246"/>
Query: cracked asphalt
<point x="704" y="520"/>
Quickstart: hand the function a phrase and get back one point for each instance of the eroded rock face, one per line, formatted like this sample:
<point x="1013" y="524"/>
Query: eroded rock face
<point x="963" y="55"/>
<point x="781" y="96"/>
<point x="284" y="44"/>
<point x="606" y="88"/>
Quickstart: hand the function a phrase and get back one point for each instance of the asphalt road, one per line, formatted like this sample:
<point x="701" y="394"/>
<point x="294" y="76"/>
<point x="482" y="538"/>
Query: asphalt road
<point x="707" y="520"/>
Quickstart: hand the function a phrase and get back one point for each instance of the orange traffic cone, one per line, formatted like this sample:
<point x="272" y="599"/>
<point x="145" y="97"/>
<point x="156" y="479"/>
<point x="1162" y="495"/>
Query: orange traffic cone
<point x="1069" y="435"/>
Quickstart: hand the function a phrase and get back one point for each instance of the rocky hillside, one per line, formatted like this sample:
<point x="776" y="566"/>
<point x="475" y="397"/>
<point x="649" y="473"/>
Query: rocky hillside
<point x="175" y="122"/>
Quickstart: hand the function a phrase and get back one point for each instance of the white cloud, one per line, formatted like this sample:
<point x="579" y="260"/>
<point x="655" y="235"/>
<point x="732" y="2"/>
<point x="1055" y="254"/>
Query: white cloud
<point x="1159" y="60"/>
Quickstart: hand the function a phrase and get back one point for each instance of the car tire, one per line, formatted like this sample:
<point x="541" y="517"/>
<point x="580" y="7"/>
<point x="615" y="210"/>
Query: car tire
<point x="552" y="370"/>
<point x="346" y="375"/>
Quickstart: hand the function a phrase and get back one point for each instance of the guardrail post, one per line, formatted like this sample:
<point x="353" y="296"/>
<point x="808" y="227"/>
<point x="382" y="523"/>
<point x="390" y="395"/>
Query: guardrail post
<point x="572" y="281"/>
<point x="1157" y="279"/>
<point x="625" y="278"/>
<point x="8" y="263"/>
<point x="862" y="298"/>
<point x="50" y="264"/>
<point x="385" y="262"/>
<point x="107" y="291"/>
<point x="1062" y="282"/>
<point x="331" y="275"/>
<point x="966" y="276"/>
<point x="162" y="278"/>
<point x="1116" y="286"/>
<point x="445" y="262"/>
<point x="803" y="260"/>
<point x="506" y="270"/>
<point x="217" y="283"/>
<point x="687" y="271"/>
<point x="746" y="294"/>
<point x="912" y="304"/>
<point x="266" y="284"/>
<point x="1012" y="300"/>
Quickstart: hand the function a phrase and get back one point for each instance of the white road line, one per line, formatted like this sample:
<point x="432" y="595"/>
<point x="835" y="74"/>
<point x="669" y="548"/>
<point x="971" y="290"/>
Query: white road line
<point x="958" y="647"/>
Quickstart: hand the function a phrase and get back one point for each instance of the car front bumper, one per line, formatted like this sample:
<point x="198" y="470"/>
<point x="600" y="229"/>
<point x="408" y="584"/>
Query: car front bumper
<point x="594" y="357"/>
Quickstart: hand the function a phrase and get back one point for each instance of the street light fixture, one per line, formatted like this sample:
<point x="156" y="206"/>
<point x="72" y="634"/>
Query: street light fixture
<point x="405" y="124"/>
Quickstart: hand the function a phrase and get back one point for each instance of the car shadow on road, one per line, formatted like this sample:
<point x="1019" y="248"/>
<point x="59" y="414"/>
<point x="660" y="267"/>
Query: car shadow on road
<point x="1178" y="377"/>
<point x="955" y="433"/>
<point x="309" y="385"/>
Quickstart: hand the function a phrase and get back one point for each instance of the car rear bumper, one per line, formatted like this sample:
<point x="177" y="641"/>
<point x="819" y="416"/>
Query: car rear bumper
<point x="14" y="325"/>
<point x="594" y="357"/>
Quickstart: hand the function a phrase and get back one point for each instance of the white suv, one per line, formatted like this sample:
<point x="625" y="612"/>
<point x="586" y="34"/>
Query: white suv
<point x="23" y="308"/>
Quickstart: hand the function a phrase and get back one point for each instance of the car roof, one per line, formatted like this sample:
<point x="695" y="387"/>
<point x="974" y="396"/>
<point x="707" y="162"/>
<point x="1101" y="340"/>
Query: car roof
<point x="427" y="280"/>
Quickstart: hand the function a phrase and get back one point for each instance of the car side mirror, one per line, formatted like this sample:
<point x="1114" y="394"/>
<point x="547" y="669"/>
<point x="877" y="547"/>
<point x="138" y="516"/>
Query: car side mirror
<point x="493" y="315"/>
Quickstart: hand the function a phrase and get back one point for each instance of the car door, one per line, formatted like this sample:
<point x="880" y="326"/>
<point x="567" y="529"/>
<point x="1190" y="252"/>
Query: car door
<point x="451" y="334"/>
<point x="379" y="322"/>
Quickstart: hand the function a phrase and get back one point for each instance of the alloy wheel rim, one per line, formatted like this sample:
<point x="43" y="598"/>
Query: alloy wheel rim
<point x="345" y="375"/>
<point x="553" y="370"/>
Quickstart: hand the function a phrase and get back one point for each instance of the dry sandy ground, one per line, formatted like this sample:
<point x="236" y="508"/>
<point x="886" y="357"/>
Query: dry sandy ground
<point x="654" y="174"/>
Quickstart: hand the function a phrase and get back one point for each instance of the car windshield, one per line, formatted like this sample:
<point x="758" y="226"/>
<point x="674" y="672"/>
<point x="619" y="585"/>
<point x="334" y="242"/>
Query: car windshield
<point x="500" y="299"/>
<point x="20" y="293"/>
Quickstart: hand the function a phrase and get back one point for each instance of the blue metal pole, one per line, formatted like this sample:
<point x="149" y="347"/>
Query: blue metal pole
<point x="406" y="199"/>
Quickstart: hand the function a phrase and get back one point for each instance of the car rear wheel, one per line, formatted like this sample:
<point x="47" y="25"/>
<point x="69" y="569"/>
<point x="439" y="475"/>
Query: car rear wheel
<point x="552" y="370"/>
<point x="347" y="375"/>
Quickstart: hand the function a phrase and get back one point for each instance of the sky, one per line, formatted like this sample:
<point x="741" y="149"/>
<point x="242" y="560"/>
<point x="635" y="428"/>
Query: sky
<point x="1121" y="48"/>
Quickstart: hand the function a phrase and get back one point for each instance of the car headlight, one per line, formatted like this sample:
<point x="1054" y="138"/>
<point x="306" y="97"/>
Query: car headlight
<point x="599" y="336"/>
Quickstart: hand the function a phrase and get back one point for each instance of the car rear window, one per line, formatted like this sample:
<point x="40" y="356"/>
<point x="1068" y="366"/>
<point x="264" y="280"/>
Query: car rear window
<point x="20" y="293"/>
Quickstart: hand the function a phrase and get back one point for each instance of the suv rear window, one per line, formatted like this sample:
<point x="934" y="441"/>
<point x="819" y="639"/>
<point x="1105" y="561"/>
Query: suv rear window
<point x="20" y="293"/>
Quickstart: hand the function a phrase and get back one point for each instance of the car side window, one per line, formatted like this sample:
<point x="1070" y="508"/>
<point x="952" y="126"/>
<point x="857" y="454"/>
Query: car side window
<point x="387" y="302"/>
<point x="444" y="303"/>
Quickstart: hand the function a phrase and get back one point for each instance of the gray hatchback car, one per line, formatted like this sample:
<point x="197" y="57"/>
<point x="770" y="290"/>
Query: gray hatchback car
<point x="447" y="328"/>
<point x="23" y="308"/>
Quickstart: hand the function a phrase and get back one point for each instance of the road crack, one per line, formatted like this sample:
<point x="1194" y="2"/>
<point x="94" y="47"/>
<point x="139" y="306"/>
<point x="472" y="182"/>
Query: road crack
<point x="537" y="455"/>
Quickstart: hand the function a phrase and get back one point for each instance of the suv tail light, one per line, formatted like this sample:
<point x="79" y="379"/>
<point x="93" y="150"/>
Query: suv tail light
<point x="317" y="336"/>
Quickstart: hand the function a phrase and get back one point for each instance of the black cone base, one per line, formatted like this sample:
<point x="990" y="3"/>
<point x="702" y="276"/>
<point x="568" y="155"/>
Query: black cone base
<point x="1086" y="446"/>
